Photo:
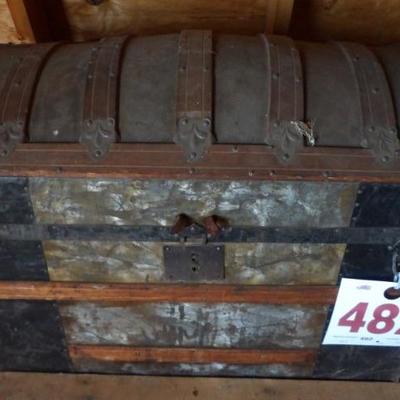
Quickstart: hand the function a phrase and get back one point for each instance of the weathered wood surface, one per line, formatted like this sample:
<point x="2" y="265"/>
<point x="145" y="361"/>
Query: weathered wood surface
<point x="152" y="16"/>
<point x="225" y="162"/>
<point x="100" y="387"/>
<point x="197" y="356"/>
<point x="118" y="292"/>
<point x="8" y="32"/>
<point x="367" y="21"/>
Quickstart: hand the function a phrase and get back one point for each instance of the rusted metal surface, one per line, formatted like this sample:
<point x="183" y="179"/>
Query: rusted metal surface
<point x="193" y="263"/>
<point x="378" y="120"/>
<point x="194" y="91"/>
<point x="195" y="325"/>
<point x="100" y="106"/>
<point x="16" y="94"/>
<point x="124" y="202"/>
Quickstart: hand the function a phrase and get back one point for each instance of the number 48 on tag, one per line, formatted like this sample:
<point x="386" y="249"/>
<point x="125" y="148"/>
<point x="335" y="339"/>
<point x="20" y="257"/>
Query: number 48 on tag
<point x="383" y="321"/>
<point x="363" y="316"/>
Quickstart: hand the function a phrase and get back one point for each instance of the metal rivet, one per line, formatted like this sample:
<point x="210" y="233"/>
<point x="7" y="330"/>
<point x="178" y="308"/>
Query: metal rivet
<point x="56" y="132"/>
<point x="364" y="143"/>
<point x="192" y="171"/>
<point x="375" y="90"/>
<point x="98" y="153"/>
<point x="275" y="75"/>
<point x="235" y="148"/>
<point x="251" y="172"/>
<point x="272" y="173"/>
<point x="385" y="159"/>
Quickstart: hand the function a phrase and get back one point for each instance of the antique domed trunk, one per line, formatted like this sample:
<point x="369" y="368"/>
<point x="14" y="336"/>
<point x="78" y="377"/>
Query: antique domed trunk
<point x="186" y="204"/>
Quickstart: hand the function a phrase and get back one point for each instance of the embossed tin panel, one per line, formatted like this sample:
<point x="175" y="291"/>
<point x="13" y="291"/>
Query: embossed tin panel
<point x="119" y="201"/>
<point x="219" y="325"/>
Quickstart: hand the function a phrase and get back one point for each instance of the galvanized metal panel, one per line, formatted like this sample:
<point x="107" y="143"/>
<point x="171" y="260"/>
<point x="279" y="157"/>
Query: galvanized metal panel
<point x="89" y="201"/>
<point x="262" y="263"/>
<point x="215" y="369"/>
<point x="203" y="325"/>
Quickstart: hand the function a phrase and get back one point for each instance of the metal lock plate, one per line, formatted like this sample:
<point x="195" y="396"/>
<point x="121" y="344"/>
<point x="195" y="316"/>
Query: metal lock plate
<point x="193" y="263"/>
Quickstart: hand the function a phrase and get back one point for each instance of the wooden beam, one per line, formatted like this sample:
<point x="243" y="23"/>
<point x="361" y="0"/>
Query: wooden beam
<point x="145" y="293"/>
<point x="30" y="20"/>
<point x="124" y="354"/>
<point x="167" y="161"/>
<point x="278" y="16"/>
<point x="117" y="387"/>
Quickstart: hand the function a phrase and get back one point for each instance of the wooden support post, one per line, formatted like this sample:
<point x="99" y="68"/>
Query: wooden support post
<point x="278" y="16"/>
<point x="30" y="20"/>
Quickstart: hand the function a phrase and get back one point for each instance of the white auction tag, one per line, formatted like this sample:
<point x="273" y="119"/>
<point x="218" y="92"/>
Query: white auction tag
<point x="363" y="316"/>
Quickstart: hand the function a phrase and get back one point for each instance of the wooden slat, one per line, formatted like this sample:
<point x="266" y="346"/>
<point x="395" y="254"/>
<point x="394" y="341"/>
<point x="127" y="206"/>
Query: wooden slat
<point x="138" y="293"/>
<point x="30" y="20"/>
<point x="167" y="161"/>
<point x="123" y="354"/>
<point x="102" y="387"/>
<point x="278" y="16"/>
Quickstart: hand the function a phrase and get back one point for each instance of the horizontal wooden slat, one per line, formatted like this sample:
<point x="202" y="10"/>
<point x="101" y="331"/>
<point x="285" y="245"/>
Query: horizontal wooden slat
<point x="122" y="354"/>
<point x="102" y="387"/>
<point x="250" y="162"/>
<point x="136" y="293"/>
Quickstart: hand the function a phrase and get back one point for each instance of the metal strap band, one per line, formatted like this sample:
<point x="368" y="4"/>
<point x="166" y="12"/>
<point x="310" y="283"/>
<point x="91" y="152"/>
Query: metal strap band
<point x="285" y="104"/>
<point x="99" y="128"/>
<point x="377" y="115"/>
<point x="194" y="93"/>
<point x="17" y="93"/>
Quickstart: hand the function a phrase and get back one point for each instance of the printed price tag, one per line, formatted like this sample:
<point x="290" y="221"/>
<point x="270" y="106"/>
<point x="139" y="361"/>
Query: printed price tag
<point x="363" y="316"/>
